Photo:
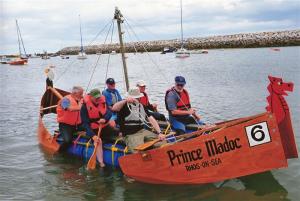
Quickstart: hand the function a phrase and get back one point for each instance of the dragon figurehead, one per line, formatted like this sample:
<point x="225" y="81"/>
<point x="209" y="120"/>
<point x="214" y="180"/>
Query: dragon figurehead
<point x="279" y="107"/>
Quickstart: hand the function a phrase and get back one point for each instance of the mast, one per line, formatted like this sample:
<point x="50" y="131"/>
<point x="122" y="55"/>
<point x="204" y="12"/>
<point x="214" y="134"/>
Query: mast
<point x="18" y="38"/>
<point x="81" y="46"/>
<point x="118" y="16"/>
<point x="181" y="23"/>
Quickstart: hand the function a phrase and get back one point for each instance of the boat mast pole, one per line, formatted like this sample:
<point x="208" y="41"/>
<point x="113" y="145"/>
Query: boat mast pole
<point x="181" y="23"/>
<point x="118" y="16"/>
<point x="18" y="37"/>
<point x="21" y="40"/>
<point x="81" y="47"/>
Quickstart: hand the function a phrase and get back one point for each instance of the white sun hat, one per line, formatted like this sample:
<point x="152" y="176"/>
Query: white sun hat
<point x="141" y="83"/>
<point x="134" y="93"/>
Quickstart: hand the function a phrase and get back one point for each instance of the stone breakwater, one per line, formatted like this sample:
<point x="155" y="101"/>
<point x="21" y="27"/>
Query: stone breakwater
<point x="244" y="40"/>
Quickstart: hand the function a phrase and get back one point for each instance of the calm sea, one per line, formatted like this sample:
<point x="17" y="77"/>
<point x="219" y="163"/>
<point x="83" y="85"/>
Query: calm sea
<point x="223" y="84"/>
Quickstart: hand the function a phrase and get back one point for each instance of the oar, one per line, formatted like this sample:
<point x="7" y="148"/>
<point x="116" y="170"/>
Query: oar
<point x="149" y="144"/>
<point x="92" y="162"/>
<point x="200" y="132"/>
<point x="50" y="107"/>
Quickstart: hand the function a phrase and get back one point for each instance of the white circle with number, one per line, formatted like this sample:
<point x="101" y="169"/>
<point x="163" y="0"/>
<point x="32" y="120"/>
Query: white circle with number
<point x="258" y="134"/>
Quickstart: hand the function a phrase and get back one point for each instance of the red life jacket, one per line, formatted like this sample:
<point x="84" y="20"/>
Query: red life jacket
<point x="95" y="112"/>
<point x="184" y="101"/>
<point x="144" y="100"/>
<point x="67" y="116"/>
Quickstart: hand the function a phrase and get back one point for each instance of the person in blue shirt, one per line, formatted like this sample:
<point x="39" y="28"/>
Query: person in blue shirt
<point x="178" y="104"/>
<point x="112" y="96"/>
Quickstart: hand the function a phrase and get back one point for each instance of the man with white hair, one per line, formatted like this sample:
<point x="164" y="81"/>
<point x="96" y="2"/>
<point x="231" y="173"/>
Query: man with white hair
<point x="144" y="100"/>
<point x="132" y="118"/>
<point x="68" y="116"/>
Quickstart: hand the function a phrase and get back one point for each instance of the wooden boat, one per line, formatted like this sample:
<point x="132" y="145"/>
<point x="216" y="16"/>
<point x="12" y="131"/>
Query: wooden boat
<point x="232" y="149"/>
<point x="82" y="146"/>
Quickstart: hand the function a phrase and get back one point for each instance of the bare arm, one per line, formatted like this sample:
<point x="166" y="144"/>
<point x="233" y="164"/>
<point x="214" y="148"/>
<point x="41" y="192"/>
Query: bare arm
<point x="154" y="123"/>
<point x="118" y="105"/>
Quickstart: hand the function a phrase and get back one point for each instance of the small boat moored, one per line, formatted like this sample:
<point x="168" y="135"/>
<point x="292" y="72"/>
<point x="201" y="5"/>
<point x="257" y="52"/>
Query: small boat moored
<point x="182" y="53"/>
<point x="18" y="61"/>
<point x="4" y="60"/>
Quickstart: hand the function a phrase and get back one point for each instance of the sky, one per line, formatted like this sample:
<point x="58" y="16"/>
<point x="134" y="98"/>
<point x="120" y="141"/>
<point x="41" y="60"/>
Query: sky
<point x="53" y="24"/>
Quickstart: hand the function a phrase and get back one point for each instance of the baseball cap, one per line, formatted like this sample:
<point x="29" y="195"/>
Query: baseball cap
<point x="95" y="93"/>
<point x="180" y="80"/>
<point x="110" y="81"/>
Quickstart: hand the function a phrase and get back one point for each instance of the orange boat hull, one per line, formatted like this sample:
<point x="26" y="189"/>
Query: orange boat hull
<point x="243" y="149"/>
<point x="46" y="140"/>
<point x="18" y="62"/>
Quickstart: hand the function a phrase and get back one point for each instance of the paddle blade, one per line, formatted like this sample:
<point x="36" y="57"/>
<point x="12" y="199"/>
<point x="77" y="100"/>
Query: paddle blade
<point x="93" y="160"/>
<point x="146" y="145"/>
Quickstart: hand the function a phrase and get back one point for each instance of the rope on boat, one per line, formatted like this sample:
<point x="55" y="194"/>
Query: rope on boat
<point x="98" y="58"/>
<point x="155" y="64"/>
<point x="142" y="63"/>
<point x="74" y="61"/>
<point x="108" y="60"/>
<point x="98" y="34"/>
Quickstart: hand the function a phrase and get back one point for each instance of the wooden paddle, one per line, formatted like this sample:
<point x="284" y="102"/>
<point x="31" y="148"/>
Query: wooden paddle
<point x="149" y="144"/>
<point x="92" y="162"/>
<point x="50" y="107"/>
<point x="221" y="125"/>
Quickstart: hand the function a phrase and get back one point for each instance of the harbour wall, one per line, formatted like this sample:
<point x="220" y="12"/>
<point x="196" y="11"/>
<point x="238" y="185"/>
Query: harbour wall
<point x="242" y="40"/>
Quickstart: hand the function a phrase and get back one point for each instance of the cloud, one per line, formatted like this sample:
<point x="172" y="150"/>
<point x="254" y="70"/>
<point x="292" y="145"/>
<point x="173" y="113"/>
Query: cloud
<point x="51" y="25"/>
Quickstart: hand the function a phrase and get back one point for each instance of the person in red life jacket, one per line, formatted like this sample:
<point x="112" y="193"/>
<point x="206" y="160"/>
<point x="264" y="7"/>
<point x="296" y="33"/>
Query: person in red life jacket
<point x="93" y="113"/>
<point x="178" y="104"/>
<point x="68" y="116"/>
<point x="152" y="108"/>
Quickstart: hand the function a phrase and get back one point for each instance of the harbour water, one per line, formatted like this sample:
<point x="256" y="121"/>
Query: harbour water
<point x="223" y="84"/>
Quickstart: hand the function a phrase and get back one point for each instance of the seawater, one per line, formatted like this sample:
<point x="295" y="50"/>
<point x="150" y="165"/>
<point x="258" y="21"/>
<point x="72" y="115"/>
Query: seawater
<point x="223" y="84"/>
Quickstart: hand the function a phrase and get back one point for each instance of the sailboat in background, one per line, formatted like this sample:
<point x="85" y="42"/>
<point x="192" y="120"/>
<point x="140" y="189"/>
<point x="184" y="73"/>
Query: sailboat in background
<point x="182" y="52"/>
<point x="23" y="58"/>
<point x="81" y="54"/>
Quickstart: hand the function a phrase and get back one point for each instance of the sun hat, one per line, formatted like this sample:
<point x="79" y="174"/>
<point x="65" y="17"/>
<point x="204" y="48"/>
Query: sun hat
<point x="95" y="93"/>
<point x="134" y="93"/>
<point x="140" y="83"/>
<point x="180" y="80"/>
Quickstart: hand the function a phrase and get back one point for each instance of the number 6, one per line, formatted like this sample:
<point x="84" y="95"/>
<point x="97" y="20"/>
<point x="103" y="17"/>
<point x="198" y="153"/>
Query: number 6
<point x="255" y="130"/>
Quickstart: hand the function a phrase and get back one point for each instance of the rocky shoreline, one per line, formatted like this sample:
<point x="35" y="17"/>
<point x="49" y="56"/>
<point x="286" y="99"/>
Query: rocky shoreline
<point x="244" y="40"/>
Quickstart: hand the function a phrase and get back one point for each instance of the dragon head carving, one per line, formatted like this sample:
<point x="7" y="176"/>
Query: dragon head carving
<point x="279" y="87"/>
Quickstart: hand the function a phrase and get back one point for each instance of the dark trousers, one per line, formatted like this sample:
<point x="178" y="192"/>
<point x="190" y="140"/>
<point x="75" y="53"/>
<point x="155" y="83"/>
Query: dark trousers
<point x="108" y="134"/>
<point x="157" y="116"/>
<point x="66" y="131"/>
